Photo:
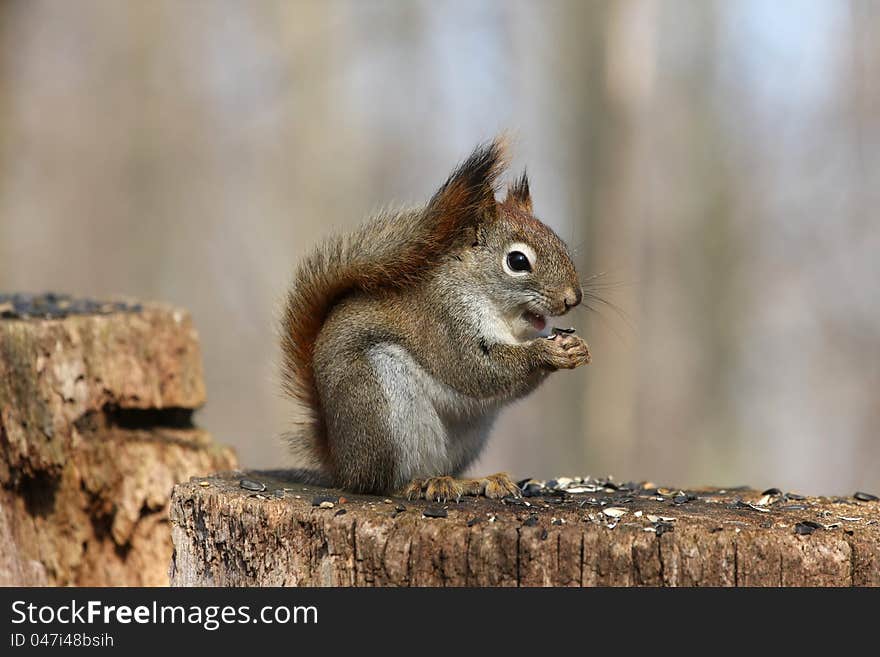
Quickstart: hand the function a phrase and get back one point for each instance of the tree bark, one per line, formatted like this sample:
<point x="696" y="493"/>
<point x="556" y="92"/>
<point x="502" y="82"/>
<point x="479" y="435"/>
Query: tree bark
<point x="95" y="429"/>
<point x="227" y="535"/>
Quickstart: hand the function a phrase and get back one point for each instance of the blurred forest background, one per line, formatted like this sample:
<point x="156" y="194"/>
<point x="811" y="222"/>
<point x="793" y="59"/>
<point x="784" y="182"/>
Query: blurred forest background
<point x="720" y="160"/>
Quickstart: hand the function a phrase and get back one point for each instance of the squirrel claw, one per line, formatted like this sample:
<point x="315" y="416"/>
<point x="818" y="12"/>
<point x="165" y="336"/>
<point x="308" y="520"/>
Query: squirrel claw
<point x="442" y="489"/>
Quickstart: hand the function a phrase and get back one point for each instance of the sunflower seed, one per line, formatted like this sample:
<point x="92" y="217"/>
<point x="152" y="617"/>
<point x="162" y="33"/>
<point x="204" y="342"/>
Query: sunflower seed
<point x="326" y="505"/>
<point x="805" y="528"/>
<point x="664" y="527"/>
<point x="865" y="497"/>
<point x="250" y="484"/>
<point x="319" y="500"/>
<point x="614" y="512"/>
<point x="435" y="512"/>
<point x="666" y="519"/>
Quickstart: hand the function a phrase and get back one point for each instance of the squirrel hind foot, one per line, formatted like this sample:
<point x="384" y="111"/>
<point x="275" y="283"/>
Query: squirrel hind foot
<point x="447" y="489"/>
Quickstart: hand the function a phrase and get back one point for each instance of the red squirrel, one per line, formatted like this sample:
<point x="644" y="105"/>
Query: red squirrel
<point x="404" y="339"/>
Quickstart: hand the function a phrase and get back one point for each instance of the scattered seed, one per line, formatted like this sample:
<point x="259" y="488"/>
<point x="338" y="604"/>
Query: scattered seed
<point x="611" y="525"/>
<point x="319" y="500"/>
<point x="614" y="512"/>
<point x="400" y="508"/>
<point x="557" y="521"/>
<point x="473" y="521"/>
<point x="435" y="512"/>
<point x="865" y="497"/>
<point x="795" y="496"/>
<point x="806" y="527"/>
<point x="204" y="484"/>
<point x="326" y="505"/>
<point x="341" y="512"/>
<point x="664" y="527"/>
<point x="638" y="514"/>
<point x="793" y="507"/>
<point x="544" y="534"/>
<point x="388" y="501"/>
<point x="250" y="484"/>
<point x="773" y="492"/>
<point x="531" y="521"/>
<point x="657" y="519"/>
<point x="850" y="519"/>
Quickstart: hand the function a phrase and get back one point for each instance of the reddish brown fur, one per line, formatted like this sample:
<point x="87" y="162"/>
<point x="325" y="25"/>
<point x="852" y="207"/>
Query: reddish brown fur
<point x="392" y="250"/>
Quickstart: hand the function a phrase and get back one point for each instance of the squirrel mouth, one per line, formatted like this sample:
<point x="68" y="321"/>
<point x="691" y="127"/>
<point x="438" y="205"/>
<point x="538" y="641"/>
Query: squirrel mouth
<point x="539" y="322"/>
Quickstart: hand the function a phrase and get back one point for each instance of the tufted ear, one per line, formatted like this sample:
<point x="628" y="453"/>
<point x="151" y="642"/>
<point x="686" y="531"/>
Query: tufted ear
<point x="518" y="193"/>
<point x="468" y="195"/>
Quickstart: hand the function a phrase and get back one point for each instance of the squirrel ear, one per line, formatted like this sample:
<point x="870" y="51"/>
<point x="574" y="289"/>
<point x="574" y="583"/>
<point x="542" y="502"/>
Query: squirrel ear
<point x="518" y="192"/>
<point x="468" y="195"/>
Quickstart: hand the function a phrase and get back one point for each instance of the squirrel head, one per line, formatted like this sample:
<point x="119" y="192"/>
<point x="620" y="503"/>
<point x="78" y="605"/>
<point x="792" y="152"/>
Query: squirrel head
<point x="526" y="269"/>
<point x="516" y="261"/>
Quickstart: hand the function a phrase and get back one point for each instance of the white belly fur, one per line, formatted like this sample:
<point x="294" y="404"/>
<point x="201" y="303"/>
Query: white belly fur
<point x="437" y="429"/>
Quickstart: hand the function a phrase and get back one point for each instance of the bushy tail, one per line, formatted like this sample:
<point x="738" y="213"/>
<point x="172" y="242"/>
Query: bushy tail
<point x="391" y="250"/>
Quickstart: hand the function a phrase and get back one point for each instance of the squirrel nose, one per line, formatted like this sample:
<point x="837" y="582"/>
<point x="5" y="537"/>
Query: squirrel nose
<point x="572" y="298"/>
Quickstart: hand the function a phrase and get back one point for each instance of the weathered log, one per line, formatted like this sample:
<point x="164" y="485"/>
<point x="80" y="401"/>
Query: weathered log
<point x="95" y="429"/>
<point x="229" y="535"/>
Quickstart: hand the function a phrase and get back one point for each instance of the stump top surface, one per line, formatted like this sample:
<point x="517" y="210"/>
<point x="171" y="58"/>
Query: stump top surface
<point x="603" y="503"/>
<point x="229" y="530"/>
<point x="53" y="305"/>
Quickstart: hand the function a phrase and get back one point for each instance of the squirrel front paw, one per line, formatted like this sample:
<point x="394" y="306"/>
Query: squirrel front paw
<point x="565" y="352"/>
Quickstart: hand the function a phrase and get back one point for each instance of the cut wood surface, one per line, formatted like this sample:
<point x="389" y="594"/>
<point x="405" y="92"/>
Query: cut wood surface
<point x="260" y="529"/>
<point x="95" y="429"/>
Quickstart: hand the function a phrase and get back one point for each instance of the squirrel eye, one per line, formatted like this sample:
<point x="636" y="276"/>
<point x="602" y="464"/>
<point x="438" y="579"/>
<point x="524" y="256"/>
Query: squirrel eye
<point x="518" y="261"/>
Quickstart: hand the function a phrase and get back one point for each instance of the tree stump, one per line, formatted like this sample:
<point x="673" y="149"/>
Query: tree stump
<point x="260" y="529"/>
<point x="96" y="404"/>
